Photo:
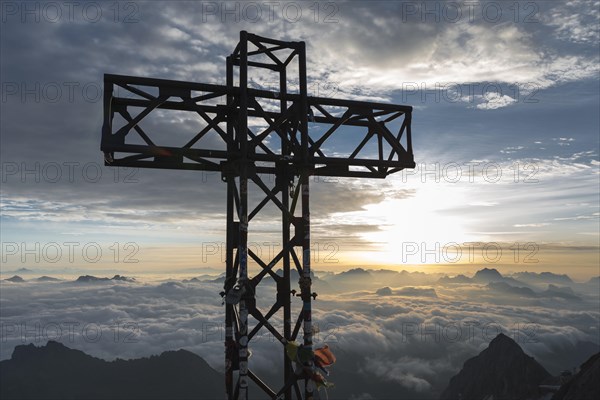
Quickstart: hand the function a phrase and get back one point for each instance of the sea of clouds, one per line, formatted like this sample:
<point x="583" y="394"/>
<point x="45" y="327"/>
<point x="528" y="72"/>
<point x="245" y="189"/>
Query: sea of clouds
<point x="409" y="339"/>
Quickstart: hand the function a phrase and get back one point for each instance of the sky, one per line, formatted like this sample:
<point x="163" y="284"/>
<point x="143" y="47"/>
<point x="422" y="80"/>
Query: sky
<point x="505" y="134"/>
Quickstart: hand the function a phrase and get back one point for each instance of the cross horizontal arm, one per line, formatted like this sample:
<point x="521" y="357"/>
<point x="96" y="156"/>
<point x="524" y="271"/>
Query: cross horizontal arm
<point x="196" y="154"/>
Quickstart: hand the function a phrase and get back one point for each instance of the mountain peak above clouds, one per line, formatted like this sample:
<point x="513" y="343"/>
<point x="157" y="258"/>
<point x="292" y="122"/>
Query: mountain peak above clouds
<point x="488" y="275"/>
<point x="15" y="279"/>
<point x="502" y="370"/>
<point x="91" y="278"/>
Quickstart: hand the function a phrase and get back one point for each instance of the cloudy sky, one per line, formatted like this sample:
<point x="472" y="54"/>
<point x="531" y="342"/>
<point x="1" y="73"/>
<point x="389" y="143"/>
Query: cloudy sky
<point x="505" y="133"/>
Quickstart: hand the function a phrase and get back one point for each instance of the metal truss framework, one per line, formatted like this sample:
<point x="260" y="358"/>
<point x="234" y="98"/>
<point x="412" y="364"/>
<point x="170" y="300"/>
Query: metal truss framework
<point x="280" y="144"/>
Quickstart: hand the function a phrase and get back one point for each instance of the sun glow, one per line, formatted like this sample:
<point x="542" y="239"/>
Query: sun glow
<point x="418" y="224"/>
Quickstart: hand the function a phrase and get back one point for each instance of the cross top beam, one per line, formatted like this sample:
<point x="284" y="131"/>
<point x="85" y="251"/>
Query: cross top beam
<point x="245" y="132"/>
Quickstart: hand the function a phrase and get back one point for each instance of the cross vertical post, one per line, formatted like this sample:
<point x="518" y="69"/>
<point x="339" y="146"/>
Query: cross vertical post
<point x="282" y="180"/>
<point x="305" y="279"/>
<point x="242" y="134"/>
<point x="229" y="178"/>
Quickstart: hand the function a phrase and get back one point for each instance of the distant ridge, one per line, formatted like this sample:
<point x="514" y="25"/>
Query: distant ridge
<point x="505" y="288"/>
<point x="15" y="279"/>
<point x="594" y="280"/>
<point x="461" y="279"/>
<point x="46" y="278"/>
<point x="91" y="278"/>
<point x="55" y="371"/>
<point x="543" y="277"/>
<point x="355" y="272"/>
<point x="22" y="270"/>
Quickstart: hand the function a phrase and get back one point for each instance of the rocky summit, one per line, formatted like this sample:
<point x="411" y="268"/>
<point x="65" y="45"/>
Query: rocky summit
<point x="502" y="370"/>
<point x="585" y="384"/>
